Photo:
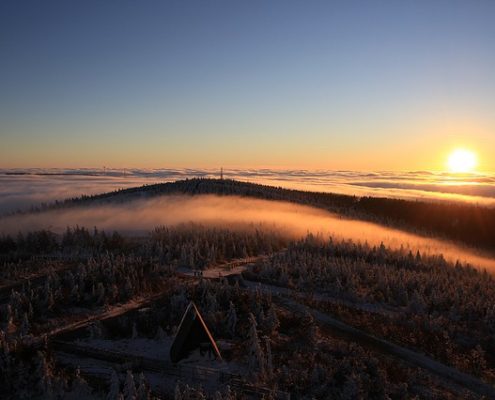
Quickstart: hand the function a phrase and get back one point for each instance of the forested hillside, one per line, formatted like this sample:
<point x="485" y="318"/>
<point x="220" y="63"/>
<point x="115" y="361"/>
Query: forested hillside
<point x="470" y="224"/>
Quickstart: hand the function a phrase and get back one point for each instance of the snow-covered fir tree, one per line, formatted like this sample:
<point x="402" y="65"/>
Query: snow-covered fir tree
<point x="231" y="320"/>
<point x="129" y="387"/>
<point x="114" y="387"/>
<point x="256" y="359"/>
<point x="143" y="391"/>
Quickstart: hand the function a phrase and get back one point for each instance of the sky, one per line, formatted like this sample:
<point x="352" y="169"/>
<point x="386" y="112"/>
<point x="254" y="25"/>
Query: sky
<point x="356" y="85"/>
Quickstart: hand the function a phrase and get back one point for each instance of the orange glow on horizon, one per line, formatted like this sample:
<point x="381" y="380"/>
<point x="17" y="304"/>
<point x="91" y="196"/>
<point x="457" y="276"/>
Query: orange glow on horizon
<point x="462" y="161"/>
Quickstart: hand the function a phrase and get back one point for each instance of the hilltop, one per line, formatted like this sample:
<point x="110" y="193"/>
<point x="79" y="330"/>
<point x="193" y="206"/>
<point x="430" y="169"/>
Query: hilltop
<point x="469" y="224"/>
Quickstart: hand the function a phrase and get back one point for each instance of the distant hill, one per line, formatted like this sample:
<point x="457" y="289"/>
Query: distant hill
<point x="470" y="224"/>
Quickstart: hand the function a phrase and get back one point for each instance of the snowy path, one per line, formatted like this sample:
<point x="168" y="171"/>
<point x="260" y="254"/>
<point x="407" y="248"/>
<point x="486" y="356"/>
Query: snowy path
<point x="235" y="267"/>
<point x="230" y="268"/>
<point x="109" y="312"/>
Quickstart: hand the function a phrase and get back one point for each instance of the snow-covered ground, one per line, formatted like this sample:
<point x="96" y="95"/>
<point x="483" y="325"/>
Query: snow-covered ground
<point x="142" y="347"/>
<point x="159" y="349"/>
<point x="194" y="370"/>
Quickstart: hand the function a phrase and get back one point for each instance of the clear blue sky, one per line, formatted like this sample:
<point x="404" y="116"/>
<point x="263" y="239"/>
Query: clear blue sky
<point x="303" y="84"/>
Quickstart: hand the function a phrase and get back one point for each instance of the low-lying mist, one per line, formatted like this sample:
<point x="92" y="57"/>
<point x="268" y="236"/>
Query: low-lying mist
<point x="139" y="217"/>
<point x="22" y="188"/>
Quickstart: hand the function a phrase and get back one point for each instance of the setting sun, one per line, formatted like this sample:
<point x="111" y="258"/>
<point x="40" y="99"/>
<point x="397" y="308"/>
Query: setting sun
<point x="462" y="160"/>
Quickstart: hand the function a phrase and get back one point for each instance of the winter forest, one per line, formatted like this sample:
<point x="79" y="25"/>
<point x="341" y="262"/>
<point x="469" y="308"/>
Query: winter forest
<point x="92" y="313"/>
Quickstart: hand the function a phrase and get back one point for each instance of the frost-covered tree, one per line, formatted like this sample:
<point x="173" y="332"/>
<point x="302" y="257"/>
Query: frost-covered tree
<point x="11" y="326"/>
<point x="95" y="330"/>
<point x="75" y="296"/>
<point x="490" y="319"/>
<point x="25" y="325"/>
<point x="43" y="375"/>
<point x="100" y="293"/>
<point x="310" y="329"/>
<point x="114" y="387"/>
<point x="416" y="303"/>
<point x="211" y="303"/>
<point x="129" y="387"/>
<point x="231" y="320"/>
<point x="271" y="322"/>
<point x="4" y="357"/>
<point x="269" y="359"/>
<point x="160" y="334"/>
<point x="178" y="392"/>
<point x="143" y="391"/>
<point x="226" y="394"/>
<point x="128" y="289"/>
<point x="80" y="389"/>
<point x="23" y="385"/>
<point x="256" y="359"/>
<point x="135" y="334"/>
<point x="178" y="304"/>
<point x="186" y="392"/>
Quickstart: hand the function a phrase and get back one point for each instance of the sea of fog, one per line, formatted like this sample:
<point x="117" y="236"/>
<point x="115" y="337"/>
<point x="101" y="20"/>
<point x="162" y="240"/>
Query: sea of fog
<point x="22" y="188"/>
<point x="140" y="216"/>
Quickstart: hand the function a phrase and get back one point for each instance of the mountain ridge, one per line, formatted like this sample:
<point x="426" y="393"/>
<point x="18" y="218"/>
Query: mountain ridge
<point x="469" y="224"/>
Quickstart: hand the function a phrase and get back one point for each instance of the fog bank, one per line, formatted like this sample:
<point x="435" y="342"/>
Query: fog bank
<point x="22" y="188"/>
<point x="138" y="217"/>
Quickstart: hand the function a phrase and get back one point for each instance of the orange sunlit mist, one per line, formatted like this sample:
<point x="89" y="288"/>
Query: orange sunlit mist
<point x="236" y="213"/>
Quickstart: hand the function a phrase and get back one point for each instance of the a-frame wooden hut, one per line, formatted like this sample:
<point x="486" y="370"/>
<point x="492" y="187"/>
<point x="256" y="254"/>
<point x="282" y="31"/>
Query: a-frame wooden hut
<point x="192" y="334"/>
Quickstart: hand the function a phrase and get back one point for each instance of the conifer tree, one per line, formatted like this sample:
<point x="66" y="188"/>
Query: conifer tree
<point x="80" y="389"/>
<point x="143" y="391"/>
<point x="269" y="359"/>
<point x="271" y="322"/>
<point x="129" y="387"/>
<point x="43" y="375"/>
<point x="231" y="320"/>
<point x="160" y="334"/>
<point x="114" y="389"/>
<point x="25" y="326"/>
<point x="134" y="331"/>
<point x="256" y="360"/>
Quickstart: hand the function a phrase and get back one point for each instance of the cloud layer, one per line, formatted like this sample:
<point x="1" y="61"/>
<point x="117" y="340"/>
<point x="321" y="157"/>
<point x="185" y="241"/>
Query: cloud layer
<point x="22" y="188"/>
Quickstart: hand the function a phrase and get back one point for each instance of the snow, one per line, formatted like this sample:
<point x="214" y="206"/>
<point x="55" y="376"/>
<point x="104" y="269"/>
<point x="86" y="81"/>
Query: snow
<point x="193" y="370"/>
<point x="142" y="347"/>
<point x="158" y="350"/>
